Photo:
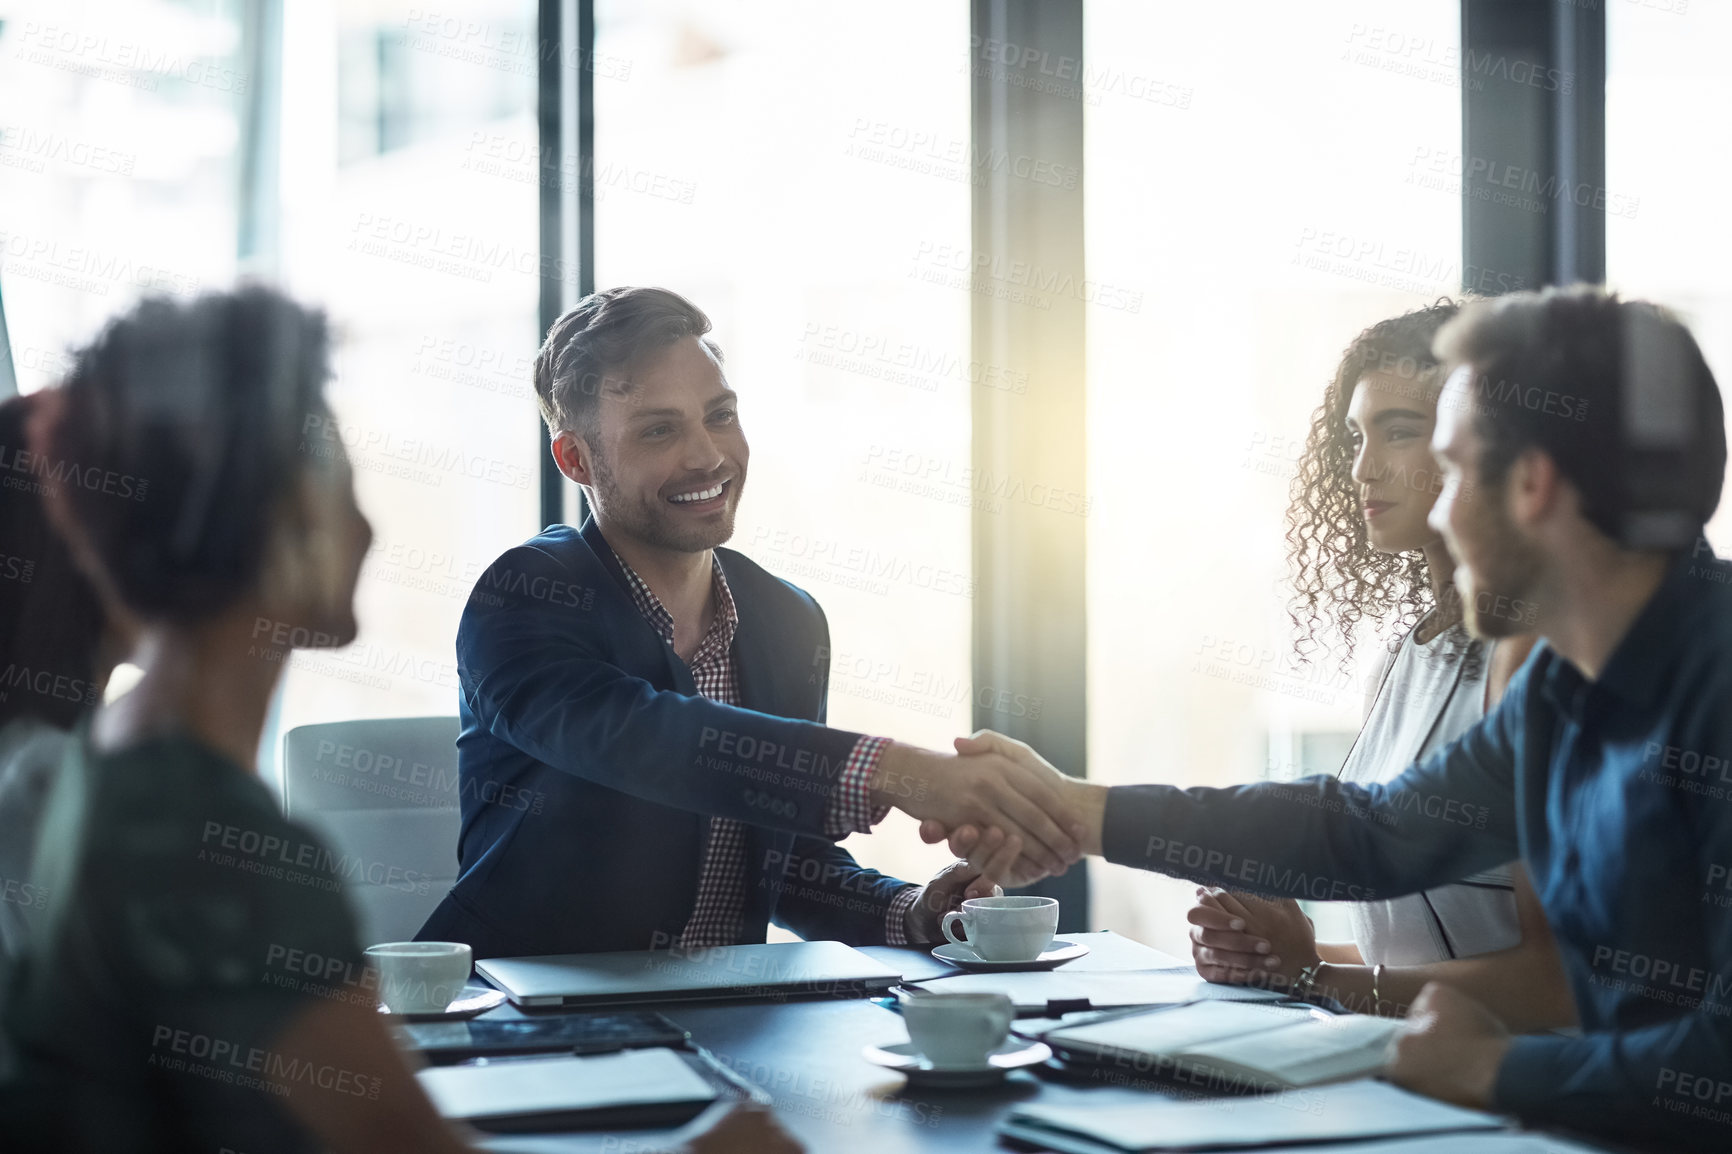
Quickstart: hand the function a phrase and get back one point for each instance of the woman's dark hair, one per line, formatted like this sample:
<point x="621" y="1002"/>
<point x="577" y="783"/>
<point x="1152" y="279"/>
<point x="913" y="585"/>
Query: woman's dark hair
<point x="181" y="437"/>
<point x="1339" y="580"/>
<point x="51" y="623"/>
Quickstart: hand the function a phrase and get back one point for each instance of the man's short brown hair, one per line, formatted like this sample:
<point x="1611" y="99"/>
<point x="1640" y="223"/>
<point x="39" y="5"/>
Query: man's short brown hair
<point x="1616" y="392"/>
<point x="606" y="333"/>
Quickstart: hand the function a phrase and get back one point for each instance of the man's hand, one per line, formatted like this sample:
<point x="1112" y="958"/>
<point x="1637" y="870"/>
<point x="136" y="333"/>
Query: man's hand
<point x="993" y="850"/>
<point x="1240" y="940"/>
<point x="948" y="889"/>
<point x="1451" y="1049"/>
<point x="1000" y="852"/>
<point x="992" y="784"/>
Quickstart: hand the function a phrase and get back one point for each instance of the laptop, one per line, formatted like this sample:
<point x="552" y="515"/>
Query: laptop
<point x="637" y="976"/>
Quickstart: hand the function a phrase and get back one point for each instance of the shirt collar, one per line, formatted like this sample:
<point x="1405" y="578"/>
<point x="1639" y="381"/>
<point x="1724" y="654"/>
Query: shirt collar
<point x="1634" y="672"/>
<point x="720" y="636"/>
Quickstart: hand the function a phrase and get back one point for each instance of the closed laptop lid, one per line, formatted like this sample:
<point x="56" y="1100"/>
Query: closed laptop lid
<point x="671" y="975"/>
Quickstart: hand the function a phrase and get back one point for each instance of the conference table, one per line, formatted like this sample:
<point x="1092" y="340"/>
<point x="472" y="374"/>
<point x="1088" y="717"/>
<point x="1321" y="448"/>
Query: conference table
<point x="804" y="1057"/>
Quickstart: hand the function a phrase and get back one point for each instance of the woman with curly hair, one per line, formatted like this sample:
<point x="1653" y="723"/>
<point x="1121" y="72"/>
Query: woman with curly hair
<point x="1366" y="559"/>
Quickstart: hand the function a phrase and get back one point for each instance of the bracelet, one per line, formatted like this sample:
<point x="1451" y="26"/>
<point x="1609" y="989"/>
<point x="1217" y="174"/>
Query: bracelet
<point x="1376" y="981"/>
<point x="1306" y="979"/>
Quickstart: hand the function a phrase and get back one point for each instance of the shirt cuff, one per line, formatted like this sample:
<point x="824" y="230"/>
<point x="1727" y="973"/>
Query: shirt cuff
<point x="851" y="809"/>
<point x="896" y="917"/>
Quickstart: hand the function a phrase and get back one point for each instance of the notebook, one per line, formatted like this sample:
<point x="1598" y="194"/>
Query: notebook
<point x="1059" y="991"/>
<point x="635" y="976"/>
<point x="631" y="1088"/>
<point x="1476" y="1142"/>
<point x="1352" y="1110"/>
<point x="1243" y="1046"/>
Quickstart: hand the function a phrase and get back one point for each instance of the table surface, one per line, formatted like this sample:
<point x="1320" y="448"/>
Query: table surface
<point x="806" y="1054"/>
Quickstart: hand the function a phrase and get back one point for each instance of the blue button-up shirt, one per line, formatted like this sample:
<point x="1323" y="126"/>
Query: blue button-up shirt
<point x="1616" y="793"/>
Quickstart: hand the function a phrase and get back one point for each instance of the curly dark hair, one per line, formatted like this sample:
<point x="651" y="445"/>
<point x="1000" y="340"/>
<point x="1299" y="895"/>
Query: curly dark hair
<point x="1339" y="580"/>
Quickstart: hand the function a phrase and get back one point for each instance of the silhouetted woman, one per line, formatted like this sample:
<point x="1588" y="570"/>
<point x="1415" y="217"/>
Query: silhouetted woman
<point x="145" y="1014"/>
<point x="57" y="649"/>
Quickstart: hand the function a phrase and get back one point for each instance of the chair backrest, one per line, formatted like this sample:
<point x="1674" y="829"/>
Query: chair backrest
<point x="384" y="796"/>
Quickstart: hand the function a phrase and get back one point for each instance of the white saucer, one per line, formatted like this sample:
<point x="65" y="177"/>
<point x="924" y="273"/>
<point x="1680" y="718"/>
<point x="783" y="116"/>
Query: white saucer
<point x="1054" y="956"/>
<point x="474" y="1000"/>
<point x="1014" y="1054"/>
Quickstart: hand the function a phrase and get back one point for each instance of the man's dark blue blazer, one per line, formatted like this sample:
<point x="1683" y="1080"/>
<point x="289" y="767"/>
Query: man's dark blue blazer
<point x="589" y="765"/>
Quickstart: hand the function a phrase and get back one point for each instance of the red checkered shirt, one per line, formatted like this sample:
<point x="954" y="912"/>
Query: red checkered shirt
<point x="722" y="880"/>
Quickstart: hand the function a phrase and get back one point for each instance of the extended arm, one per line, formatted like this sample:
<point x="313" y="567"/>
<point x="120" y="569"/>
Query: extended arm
<point x="1447" y="817"/>
<point x="533" y="677"/>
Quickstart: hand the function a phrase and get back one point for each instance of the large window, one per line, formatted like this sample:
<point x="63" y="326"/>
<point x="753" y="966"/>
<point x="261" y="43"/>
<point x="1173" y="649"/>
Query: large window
<point x="801" y="171"/>
<point x="408" y="202"/>
<point x="120" y="131"/>
<point x="1269" y="195"/>
<point x="804" y="172"/>
<point x="1668" y="116"/>
<point x="378" y="159"/>
<point x="123" y="168"/>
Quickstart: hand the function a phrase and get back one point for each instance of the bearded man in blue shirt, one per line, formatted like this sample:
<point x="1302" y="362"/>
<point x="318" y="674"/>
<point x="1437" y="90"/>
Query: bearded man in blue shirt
<point x="1583" y="445"/>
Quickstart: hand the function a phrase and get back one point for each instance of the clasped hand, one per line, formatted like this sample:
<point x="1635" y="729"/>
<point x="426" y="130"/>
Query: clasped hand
<point x="1241" y="940"/>
<point x="1003" y="808"/>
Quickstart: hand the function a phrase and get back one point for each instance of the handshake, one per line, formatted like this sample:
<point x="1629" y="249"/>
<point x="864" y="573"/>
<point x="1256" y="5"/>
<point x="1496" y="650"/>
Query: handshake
<point x="1003" y="807"/>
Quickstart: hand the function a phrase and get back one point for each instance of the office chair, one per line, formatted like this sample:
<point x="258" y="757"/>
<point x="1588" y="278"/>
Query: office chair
<point x="384" y="795"/>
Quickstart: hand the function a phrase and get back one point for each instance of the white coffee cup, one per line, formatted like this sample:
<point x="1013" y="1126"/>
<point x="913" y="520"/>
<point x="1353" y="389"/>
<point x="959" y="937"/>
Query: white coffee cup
<point x="1013" y="929"/>
<point x="957" y="1030"/>
<point x="420" y="977"/>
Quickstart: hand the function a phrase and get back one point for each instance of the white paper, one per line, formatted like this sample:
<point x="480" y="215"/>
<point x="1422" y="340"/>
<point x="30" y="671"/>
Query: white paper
<point x="1181" y="1028"/>
<point x="1306" y="1053"/>
<point x="1480" y="1143"/>
<point x="1101" y="989"/>
<point x="560" y="1085"/>
<point x="1350" y="1110"/>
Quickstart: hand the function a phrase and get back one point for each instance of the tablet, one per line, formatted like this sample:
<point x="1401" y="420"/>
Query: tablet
<point x="444" y="1042"/>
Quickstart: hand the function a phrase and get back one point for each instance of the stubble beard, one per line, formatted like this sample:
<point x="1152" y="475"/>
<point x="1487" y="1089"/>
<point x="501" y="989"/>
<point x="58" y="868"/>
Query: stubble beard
<point x="650" y="522"/>
<point x="1507" y="574"/>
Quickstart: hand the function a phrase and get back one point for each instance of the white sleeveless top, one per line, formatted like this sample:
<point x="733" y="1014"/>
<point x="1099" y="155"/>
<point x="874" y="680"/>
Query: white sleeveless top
<point x="1426" y="699"/>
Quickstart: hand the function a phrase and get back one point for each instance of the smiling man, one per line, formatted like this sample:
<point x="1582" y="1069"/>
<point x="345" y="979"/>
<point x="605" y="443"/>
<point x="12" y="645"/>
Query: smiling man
<point x="643" y="757"/>
<point x="1583" y="445"/>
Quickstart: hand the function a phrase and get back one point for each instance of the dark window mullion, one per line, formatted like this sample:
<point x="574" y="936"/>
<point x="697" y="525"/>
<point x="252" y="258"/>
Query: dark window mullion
<point x="565" y="118"/>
